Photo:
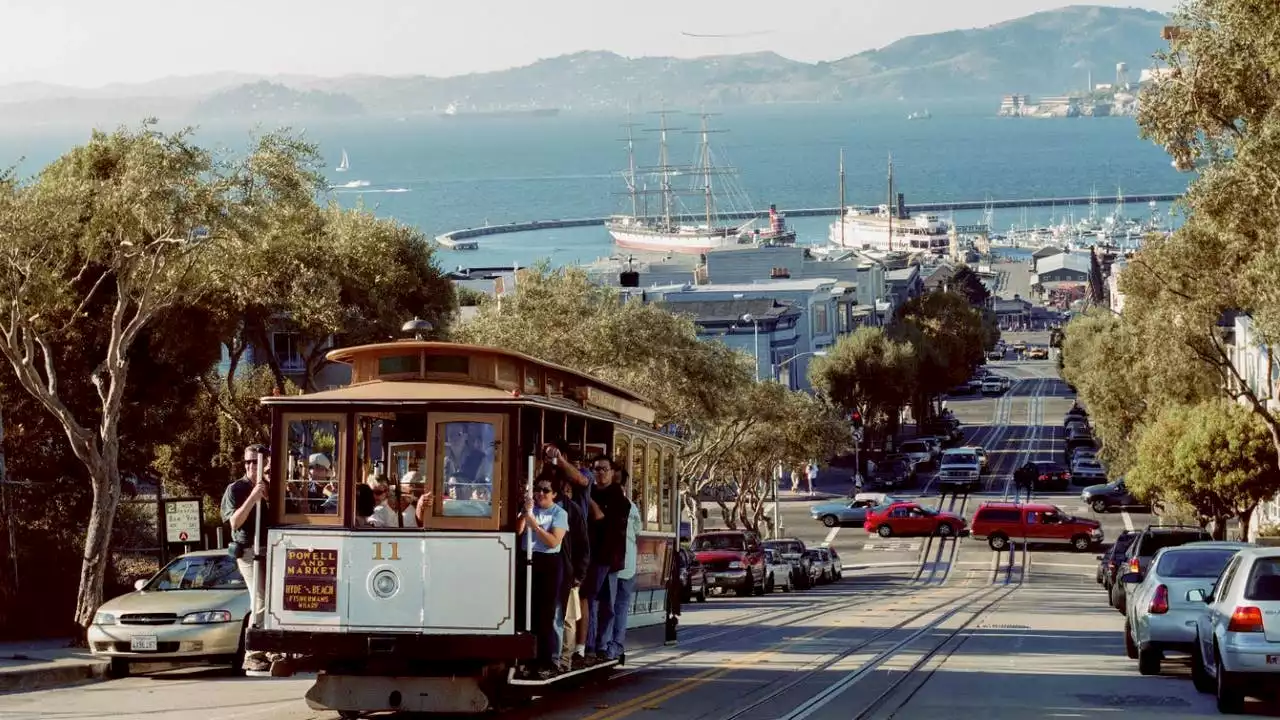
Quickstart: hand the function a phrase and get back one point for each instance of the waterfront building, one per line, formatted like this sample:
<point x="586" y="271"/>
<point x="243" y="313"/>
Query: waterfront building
<point x="1062" y="268"/>
<point x="781" y="344"/>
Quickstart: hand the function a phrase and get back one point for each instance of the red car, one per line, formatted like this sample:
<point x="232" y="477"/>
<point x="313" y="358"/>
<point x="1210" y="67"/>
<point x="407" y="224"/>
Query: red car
<point x="909" y="518"/>
<point x="732" y="560"/>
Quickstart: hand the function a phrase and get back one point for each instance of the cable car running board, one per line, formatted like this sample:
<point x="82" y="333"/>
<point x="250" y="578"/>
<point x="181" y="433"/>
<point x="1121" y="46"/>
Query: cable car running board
<point x="533" y="682"/>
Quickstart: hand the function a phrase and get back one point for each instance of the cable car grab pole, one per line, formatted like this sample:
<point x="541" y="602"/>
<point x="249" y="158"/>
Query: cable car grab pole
<point x="257" y="533"/>
<point x="528" y="552"/>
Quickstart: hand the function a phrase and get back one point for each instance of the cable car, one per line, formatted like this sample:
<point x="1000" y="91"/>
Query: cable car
<point x="437" y="617"/>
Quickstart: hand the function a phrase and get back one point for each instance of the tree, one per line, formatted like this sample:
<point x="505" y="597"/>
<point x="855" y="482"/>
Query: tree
<point x="868" y="372"/>
<point x="949" y="337"/>
<point x="1097" y="285"/>
<point x="139" y="223"/>
<point x="1215" y="112"/>
<point x="1215" y="456"/>
<point x="337" y="277"/>
<point x="967" y="283"/>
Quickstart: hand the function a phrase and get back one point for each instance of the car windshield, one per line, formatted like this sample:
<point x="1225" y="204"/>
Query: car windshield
<point x="720" y="542"/>
<point x="1264" y="581"/>
<point x="198" y="572"/>
<point x="1194" y="563"/>
<point x="785" y="547"/>
<point x="959" y="459"/>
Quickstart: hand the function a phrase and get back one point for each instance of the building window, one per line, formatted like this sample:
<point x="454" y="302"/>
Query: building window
<point x="288" y="355"/>
<point x="844" y="311"/>
<point x="820" y="324"/>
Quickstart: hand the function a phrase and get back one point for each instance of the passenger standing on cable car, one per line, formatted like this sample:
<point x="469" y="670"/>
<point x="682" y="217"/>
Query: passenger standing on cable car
<point x="607" y="523"/>
<point x="557" y="456"/>
<point x="616" y="636"/>
<point x="238" y="503"/>
<point x="576" y="550"/>
<point x="544" y="523"/>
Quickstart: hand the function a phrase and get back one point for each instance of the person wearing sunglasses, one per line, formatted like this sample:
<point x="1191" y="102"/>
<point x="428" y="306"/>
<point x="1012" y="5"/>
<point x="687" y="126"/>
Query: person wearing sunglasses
<point x="238" y="503"/>
<point x="544" y="525"/>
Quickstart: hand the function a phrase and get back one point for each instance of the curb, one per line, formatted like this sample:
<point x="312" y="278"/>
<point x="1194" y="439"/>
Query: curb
<point x="61" y="675"/>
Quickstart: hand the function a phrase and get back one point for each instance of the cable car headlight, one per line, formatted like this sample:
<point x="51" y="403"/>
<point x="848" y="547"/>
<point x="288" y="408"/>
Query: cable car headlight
<point x="384" y="583"/>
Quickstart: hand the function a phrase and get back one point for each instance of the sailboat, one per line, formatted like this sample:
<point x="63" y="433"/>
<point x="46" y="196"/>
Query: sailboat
<point x="345" y="164"/>
<point x="682" y="232"/>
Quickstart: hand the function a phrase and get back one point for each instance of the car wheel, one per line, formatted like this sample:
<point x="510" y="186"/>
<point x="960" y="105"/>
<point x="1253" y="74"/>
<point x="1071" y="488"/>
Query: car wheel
<point x="884" y="531"/>
<point x="768" y="585"/>
<point x="1099" y="505"/>
<point x="762" y="588"/>
<point x="1230" y="701"/>
<point x="1081" y="543"/>
<point x="945" y="530"/>
<point x="120" y="667"/>
<point x="702" y="594"/>
<point x="1130" y="648"/>
<point x="830" y="520"/>
<point x="997" y="542"/>
<point x="1199" y="676"/>
<point x="1149" y="661"/>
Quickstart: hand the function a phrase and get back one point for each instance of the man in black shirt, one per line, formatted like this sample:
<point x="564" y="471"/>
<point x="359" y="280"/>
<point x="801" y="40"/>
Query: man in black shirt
<point x="238" y="503"/>
<point x="571" y="623"/>
<point x="609" y="510"/>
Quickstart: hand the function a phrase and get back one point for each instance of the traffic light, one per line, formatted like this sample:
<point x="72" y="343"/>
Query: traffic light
<point x="856" y="418"/>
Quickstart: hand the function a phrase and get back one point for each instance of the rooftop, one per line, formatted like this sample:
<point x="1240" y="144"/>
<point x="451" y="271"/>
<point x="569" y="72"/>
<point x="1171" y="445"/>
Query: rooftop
<point x="1077" y="262"/>
<point x="731" y="311"/>
<point x="762" y="286"/>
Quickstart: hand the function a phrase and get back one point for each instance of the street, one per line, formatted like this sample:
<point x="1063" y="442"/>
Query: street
<point x="918" y="628"/>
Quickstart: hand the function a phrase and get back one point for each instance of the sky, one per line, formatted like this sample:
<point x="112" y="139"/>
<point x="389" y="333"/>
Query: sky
<point x="89" y="43"/>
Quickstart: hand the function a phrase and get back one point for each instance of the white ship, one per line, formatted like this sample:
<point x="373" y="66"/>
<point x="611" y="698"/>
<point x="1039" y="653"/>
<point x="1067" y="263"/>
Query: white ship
<point x="889" y="228"/>
<point x="672" y="230"/>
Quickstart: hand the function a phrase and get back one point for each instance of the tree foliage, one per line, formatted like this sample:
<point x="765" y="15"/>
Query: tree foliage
<point x="869" y="372"/>
<point x="1215" y="457"/>
<point x="1097" y="285"/>
<point x="949" y="338"/>
<point x="967" y="283"/>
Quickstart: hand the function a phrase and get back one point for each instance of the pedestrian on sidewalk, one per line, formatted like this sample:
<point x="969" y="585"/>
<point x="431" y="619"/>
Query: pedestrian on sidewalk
<point x="813" y="475"/>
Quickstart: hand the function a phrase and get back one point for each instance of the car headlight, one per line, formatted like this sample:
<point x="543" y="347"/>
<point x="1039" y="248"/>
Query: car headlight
<point x="104" y="618"/>
<point x="735" y="565"/>
<point x="208" y="616"/>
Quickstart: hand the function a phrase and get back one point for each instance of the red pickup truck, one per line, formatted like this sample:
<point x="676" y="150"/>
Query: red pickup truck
<point x="732" y="560"/>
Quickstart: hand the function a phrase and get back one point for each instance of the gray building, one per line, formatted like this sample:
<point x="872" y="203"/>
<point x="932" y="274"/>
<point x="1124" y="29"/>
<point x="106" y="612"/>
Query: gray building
<point x="1062" y="268"/>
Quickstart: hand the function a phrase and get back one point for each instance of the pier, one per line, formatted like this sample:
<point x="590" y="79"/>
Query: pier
<point x="961" y="205"/>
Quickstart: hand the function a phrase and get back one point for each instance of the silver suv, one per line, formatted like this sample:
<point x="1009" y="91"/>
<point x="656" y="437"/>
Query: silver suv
<point x="1237" y="649"/>
<point x="1159" y="617"/>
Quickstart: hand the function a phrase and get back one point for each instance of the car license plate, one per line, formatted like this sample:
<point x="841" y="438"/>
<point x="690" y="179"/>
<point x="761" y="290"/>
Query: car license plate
<point x="143" y="643"/>
<point x="1273" y="659"/>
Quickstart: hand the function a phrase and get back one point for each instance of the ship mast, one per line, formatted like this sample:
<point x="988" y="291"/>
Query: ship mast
<point x="841" y="212"/>
<point x="892" y="210"/>
<point x="706" y="170"/>
<point x="666" y="172"/>
<point x="631" y="170"/>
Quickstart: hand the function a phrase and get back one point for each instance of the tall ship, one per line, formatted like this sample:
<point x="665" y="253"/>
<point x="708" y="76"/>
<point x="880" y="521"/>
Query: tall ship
<point x="889" y="227"/>
<point x="453" y="111"/>
<point x="725" y="217"/>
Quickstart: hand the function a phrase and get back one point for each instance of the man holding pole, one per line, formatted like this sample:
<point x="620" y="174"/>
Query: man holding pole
<point x="242" y="506"/>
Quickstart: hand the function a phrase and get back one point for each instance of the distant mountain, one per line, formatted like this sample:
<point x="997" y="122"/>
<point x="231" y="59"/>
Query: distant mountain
<point x="1050" y="52"/>
<point x="271" y="101"/>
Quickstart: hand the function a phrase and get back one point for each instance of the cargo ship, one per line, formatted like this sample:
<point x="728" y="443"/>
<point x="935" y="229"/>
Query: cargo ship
<point x="454" y="112"/>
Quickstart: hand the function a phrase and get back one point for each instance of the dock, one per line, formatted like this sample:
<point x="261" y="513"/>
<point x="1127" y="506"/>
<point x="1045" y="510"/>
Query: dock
<point x="452" y="237"/>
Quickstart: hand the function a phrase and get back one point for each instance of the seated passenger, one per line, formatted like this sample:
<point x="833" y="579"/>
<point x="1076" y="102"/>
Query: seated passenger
<point x="544" y="524"/>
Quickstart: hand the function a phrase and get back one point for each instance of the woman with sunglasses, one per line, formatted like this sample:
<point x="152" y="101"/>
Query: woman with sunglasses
<point x="544" y="524"/>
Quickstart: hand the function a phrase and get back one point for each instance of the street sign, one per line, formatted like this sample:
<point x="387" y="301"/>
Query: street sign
<point x="182" y="520"/>
<point x="857" y="435"/>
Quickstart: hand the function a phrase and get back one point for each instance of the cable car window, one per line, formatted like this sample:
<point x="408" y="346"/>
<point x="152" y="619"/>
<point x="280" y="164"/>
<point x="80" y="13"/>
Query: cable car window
<point x="313" y="473"/>
<point x="653" y="484"/>
<point x="668" y="488"/>
<point x="398" y="365"/>
<point x="449" y="364"/>
<point x="467" y="460"/>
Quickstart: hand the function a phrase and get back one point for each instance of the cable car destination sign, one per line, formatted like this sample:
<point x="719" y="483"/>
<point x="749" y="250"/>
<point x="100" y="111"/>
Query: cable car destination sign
<point x="311" y="580"/>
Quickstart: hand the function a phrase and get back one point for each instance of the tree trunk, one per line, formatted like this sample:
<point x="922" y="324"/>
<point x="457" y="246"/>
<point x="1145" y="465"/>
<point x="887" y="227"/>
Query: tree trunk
<point x="1219" y="528"/>
<point x="1246" y="518"/>
<point x="97" y="542"/>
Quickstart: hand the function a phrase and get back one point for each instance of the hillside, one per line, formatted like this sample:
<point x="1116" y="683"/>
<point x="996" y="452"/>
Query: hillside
<point x="1046" y="53"/>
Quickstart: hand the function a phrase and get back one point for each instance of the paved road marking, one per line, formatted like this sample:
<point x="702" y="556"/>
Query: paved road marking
<point x="831" y="536"/>
<point x="894" y="546"/>
<point x="1128" y="520"/>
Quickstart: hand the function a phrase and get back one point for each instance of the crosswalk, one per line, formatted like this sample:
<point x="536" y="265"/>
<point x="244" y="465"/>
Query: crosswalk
<point x="894" y="545"/>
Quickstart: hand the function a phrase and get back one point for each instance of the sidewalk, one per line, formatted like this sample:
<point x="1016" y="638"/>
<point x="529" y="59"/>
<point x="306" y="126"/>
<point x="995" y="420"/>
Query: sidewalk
<point x="43" y="664"/>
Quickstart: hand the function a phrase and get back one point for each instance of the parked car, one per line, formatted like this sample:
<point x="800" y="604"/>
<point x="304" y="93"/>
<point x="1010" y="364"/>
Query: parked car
<point x="1160" y="617"/>
<point x="848" y="512"/>
<point x="793" y="551"/>
<point x="732" y="560"/>
<point x="993" y="385"/>
<point x="1237" y="646"/>
<point x="821" y="567"/>
<point x="909" y="518"/>
<point x="1079" y="440"/>
<point x="892" y="472"/>
<point x="1149" y="541"/>
<point x="194" y="609"/>
<point x="837" y="565"/>
<point x="1083" y="452"/>
<point x="917" y="452"/>
<point x="1110" y="562"/>
<point x="1000" y="523"/>
<point x="777" y="572"/>
<point x="1112" y="495"/>
<point x="959" y="470"/>
<point x="692" y="577"/>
